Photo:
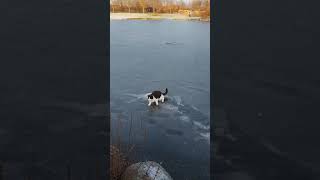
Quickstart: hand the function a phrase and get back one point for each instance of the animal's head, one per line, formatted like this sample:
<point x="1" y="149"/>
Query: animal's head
<point x="150" y="96"/>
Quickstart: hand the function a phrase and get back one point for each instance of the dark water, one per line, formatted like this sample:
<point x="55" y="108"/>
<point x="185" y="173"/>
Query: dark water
<point x="154" y="55"/>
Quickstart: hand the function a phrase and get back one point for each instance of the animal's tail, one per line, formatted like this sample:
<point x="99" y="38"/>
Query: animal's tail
<point x="165" y="92"/>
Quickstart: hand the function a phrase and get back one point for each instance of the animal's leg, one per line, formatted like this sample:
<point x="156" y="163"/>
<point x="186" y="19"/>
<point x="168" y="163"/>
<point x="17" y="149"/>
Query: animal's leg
<point x="157" y="102"/>
<point x="149" y="103"/>
<point x="162" y="99"/>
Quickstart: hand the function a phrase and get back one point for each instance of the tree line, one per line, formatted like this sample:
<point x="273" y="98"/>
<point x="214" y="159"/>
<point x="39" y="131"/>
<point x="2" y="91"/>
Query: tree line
<point x="158" y="6"/>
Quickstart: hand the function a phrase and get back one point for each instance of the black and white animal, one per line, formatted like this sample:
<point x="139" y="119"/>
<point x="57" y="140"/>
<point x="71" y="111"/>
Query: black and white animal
<point x="156" y="96"/>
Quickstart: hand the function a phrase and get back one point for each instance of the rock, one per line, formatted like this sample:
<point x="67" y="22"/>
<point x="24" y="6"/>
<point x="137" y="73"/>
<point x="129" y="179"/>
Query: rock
<point x="148" y="170"/>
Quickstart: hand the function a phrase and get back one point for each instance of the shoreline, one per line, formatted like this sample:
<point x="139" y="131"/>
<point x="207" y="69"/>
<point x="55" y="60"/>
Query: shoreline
<point x="150" y="16"/>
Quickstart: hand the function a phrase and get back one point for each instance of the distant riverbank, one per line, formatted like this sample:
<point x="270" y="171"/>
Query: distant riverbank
<point x="150" y="16"/>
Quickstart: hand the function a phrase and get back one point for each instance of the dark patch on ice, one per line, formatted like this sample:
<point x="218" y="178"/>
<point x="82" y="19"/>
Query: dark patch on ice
<point x="172" y="43"/>
<point x="152" y="121"/>
<point x="174" y="132"/>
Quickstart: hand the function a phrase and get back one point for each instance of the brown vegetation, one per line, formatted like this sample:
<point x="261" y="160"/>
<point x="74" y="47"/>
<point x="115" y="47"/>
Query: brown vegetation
<point x="118" y="163"/>
<point x="120" y="152"/>
<point x="201" y="7"/>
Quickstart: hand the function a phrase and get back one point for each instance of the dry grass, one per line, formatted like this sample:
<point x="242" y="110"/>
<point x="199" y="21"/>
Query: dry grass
<point x="205" y="14"/>
<point x="118" y="163"/>
<point x="119" y="156"/>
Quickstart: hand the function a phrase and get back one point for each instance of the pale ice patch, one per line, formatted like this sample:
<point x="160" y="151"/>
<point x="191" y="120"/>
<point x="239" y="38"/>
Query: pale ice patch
<point x="184" y="118"/>
<point x="171" y="107"/>
<point x="201" y="126"/>
<point x="205" y="136"/>
<point x="137" y="97"/>
<point x="178" y="100"/>
<point x="194" y="108"/>
<point x="202" y="130"/>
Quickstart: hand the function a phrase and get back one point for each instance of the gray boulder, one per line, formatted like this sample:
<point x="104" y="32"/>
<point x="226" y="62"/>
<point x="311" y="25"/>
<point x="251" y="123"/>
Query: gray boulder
<point x="148" y="170"/>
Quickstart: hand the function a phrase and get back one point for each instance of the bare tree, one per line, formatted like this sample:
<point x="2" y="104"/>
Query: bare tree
<point x="143" y="4"/>
<point x="153" y="4"/>
<point x="128" y="4"/>
<point x="156" y="4"/>
<point x="112" y="3"/>
<point x="169" y="4"/>
<point x="196" y="4"/>
<point x="115" y="3"/>
<point x="181" y="4"/>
